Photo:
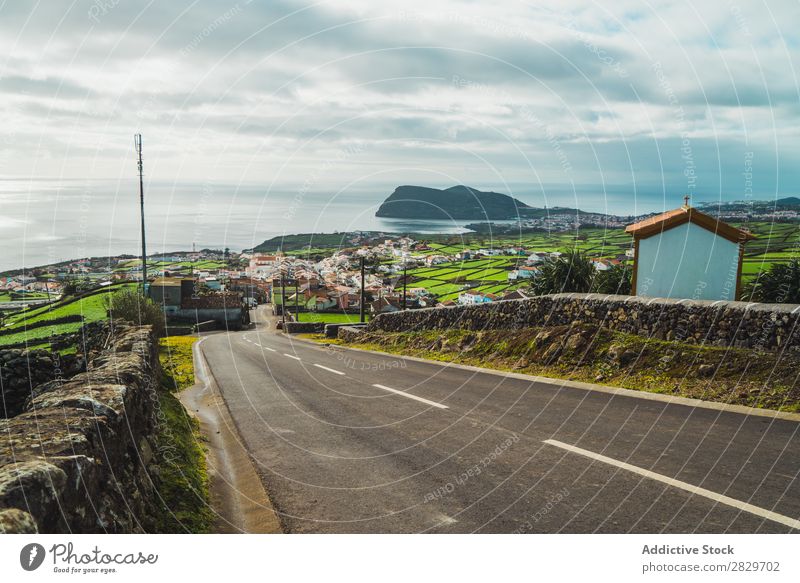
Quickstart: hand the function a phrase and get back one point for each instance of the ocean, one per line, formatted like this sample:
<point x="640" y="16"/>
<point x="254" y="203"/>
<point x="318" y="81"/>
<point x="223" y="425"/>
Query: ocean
<point x="45" y="221"/>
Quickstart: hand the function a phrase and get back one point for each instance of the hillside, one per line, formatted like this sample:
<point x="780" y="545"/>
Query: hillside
<point x="456" y="202"/>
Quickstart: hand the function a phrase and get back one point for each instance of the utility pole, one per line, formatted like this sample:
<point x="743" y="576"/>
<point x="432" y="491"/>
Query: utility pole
<point x="137" y="141"/>
<point x="361" y="303"/>
<point x="405" y="280"/>
<point x="283" y="302"/>
<point x="296" y="299"/>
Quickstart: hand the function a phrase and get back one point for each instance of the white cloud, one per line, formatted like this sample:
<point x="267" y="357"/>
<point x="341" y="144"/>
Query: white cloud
<point x="242" y="90"/>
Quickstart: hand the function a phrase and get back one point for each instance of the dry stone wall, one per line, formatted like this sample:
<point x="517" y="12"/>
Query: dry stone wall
<point x="76" y="458"/>
<point x="718" y="323"/>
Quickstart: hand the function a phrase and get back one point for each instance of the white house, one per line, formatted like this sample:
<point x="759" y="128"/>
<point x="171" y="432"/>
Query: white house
<point x="684" y="253"/>
<point x="471" y="298"/>
<point x="521" y="273"/>
<point x="535" y="258"/>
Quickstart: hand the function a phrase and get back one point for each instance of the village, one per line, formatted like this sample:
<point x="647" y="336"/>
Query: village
<point x="400" y="273"/>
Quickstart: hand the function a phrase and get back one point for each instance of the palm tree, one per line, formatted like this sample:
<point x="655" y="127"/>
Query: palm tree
<point x="571" y="272"/>
<point x="616" y="280"/>
<point x="780" y="284"/>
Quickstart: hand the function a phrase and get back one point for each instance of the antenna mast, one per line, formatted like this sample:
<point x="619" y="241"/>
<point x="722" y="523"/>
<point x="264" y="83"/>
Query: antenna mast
<point x="137" y="140"/>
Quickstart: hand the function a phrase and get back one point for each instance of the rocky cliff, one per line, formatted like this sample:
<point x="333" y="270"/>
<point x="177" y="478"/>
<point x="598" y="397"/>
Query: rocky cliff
<point x="457" y="202"/>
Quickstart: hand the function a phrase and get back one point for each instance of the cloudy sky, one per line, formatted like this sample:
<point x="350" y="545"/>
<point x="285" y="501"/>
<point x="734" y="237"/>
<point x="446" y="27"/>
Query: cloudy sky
<point x="643" y="98"/>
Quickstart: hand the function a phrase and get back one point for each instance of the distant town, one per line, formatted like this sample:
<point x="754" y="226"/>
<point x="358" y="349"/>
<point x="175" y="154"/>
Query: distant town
<point x="321" y="273"/>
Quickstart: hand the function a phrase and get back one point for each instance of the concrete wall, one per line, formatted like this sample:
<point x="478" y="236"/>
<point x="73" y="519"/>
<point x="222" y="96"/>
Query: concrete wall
<point x="78" y="457"/>
<point x="716" y="323"/>
<point x="230" y="317"/>
<point x="687" y="261"/>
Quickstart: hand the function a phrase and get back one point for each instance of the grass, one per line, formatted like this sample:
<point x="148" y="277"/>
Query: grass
<point x="177" y="362"/>
<point x="183" y="477"/>
<point x="39" y="334"/>
<point x="584" y="353"/>
<point x="92" y="307"/>
<point x="329" y="318"/>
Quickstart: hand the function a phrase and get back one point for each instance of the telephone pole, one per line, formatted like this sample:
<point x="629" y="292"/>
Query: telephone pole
<point x="137" y="140"/>
<point x="405" y="279"/>
<point x="361" y="303"/>
<point x="283" y="302"/>
<point x="296" y="300"/>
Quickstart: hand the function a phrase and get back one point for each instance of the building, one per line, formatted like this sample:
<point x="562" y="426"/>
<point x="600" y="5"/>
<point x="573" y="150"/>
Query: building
<point x="472" y="297"/>
<point x="169" y="291"/>
<point x="684" y="253"/>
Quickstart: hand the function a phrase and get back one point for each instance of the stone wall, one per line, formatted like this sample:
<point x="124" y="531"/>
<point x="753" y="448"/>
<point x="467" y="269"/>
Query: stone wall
<point x="76" y="458"/>
<point x="22" y="370"/>
<point x="718" y="323"/>
<point x="304" y="327"/>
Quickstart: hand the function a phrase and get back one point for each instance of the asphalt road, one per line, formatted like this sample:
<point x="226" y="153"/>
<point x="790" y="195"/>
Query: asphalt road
<point x="349" y="441"/>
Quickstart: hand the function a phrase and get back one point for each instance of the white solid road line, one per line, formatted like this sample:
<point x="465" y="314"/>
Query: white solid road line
<point x="292" y="356"/>
<point x="334" y="371"/>
<point x="757" y="510"/>
<point x="410" y="396"/>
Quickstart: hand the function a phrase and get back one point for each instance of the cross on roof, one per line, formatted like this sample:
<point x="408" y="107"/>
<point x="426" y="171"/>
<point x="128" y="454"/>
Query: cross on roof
<point x="686" y="201"/>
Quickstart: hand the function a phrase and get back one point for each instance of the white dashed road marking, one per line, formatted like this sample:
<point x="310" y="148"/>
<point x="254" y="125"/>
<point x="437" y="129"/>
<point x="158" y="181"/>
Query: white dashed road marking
<point x="292" y="356"/>
<point x="722" y="499"/>
<point x="410" y="396"/>
<point x="334" y="371"/>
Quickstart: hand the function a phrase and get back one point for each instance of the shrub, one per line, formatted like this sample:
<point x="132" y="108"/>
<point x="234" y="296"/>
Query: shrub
<point x="780" y="284"/>
<point x="616" y="280"/>
<point x="571" y="272"/>
<point x="130" y="305"/>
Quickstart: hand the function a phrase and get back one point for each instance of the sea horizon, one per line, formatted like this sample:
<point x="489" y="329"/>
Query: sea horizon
<point x="46" y="221"/>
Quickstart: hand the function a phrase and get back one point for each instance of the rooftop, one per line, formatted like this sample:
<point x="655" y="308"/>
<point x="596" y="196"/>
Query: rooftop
<point x="687" y="214"/>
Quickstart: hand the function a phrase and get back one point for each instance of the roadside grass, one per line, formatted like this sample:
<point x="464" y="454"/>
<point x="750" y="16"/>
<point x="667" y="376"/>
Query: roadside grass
<point x="183" y="475"/>
<point x="583" y="353"/>
<point x="328" y="318"/>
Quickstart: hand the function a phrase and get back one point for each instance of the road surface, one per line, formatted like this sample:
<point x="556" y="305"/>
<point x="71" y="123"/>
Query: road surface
<point x="351" y="441"/>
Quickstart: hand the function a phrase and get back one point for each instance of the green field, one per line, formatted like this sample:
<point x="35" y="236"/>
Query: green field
<point x="774" y="243"/>
<point x="178" y="266"/>
<point x="92" y="307"/>
<point x="328" y="318"/>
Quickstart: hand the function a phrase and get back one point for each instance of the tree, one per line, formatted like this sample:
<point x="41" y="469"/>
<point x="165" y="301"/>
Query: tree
<point x="130" y="305"/>
<point x="616" y="280"/>
<point x="779" y="285"/>
<point x="571" y="272"/>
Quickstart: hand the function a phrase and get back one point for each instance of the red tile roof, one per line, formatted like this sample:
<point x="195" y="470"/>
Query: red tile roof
<point x="674" y="218"/>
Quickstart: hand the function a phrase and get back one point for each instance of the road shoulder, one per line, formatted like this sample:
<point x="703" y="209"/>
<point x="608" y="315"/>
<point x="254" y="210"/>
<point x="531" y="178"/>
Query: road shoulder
<point x="238" y="497"/>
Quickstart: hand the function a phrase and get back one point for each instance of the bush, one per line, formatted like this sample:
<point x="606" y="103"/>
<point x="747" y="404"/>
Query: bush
<point x="779" y="285"/>
<point x="616" y="280"/>
<point x="572" y="272"/>
<point x="130" y="305"/>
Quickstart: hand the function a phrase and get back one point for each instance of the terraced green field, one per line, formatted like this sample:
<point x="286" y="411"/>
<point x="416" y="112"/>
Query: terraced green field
<point x="774" y="243"/>
<point x="91" y="307"/>
<point x="176" y="266"/>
